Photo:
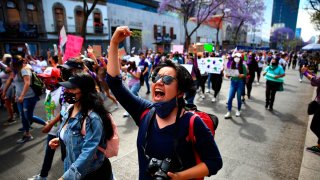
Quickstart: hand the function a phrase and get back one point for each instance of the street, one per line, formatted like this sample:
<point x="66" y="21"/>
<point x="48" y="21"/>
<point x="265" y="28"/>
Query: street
<point x="258" y="145"/>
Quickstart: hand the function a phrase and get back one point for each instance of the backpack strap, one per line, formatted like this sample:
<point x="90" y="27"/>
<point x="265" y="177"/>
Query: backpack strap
<point x="192" y="138"/>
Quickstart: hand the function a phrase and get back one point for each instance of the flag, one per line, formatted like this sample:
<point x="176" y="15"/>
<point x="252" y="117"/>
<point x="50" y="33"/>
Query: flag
<point x="62" y="38"/>
<point x="234" y="51"/>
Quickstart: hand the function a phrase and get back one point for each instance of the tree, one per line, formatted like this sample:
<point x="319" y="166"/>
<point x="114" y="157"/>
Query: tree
<point x="86" y="14"/>
<point x="314" y="7"/>
<point x="280" y="36"/>
<point x="245" y="12"/>
<point x="200" y="9"/>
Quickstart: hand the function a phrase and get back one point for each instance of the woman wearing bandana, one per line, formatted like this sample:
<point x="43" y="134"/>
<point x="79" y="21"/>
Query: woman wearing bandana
<point x="163" y="123"/>
<point x="274" y="74"/>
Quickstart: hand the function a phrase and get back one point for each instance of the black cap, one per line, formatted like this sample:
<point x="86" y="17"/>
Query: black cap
<point x="72" y="63"/>
<point x="83" y="81"/>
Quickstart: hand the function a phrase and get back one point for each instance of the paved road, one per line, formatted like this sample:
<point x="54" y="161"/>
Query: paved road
<point x="258" y="145"/>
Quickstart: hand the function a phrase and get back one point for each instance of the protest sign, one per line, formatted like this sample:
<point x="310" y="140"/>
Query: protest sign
<point x="208" y="47"/>
<point x="177" y="48"/>
<point x="121" y="52"/>
<point x="73" y="47"/>
<point x="188" y="67"/>
<point x="96" y="50"/>
<point x="62" y="38"/>
<point x="200" y="48"/>
<point x="232" y="72"/>
<point x="55" y="48"/>
<point x="28" y="49"/>
<point x="210" y="65"/>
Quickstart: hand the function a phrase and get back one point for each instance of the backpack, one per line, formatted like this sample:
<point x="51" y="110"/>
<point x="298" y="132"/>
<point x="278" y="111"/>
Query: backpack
<point x="37" y="85"/>
<point x="210" y="120"/>
<point x="112" y="148"/>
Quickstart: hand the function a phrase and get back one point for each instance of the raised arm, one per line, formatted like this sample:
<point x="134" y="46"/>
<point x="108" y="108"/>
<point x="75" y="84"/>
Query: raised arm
<point x="118" y="36"/>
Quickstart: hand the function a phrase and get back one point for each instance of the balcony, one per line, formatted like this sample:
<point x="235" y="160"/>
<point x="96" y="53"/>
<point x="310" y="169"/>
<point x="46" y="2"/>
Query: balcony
<point x="91" y="30"/>
<point x="18" y="30"/>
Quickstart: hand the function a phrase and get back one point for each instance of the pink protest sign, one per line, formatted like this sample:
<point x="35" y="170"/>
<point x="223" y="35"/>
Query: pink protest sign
<point x="73" y="47"/>
<point x="177" y="48"/>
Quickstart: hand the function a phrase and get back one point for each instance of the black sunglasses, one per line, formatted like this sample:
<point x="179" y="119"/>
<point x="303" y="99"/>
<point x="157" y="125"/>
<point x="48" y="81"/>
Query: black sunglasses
<point x="165" y="79"/>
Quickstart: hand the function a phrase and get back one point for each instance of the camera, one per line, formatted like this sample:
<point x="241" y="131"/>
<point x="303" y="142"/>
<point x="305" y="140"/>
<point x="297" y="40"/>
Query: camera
<point x="158" y="169"/>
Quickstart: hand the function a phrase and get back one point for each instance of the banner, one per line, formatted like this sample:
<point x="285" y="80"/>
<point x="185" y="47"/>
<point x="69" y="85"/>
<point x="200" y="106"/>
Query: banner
<point x="177" y="48"/>
<point x="73" y="47"/>
<point x="210" y="65"/>
<point x="97" y="50"/>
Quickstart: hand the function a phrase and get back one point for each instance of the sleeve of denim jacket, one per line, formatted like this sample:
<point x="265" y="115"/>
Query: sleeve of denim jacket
<point x="206" y="147"/>
<point x="94" y="130"/>
<point x="133" y="104"/>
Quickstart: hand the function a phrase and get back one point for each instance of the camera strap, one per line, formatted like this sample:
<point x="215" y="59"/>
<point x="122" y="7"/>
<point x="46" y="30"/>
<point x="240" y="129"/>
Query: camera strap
<point x="175" y="145"/>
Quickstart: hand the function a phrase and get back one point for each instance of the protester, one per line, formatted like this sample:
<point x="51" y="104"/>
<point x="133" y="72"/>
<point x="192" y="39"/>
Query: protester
<point x="144" y="66"/>
<point x="274" y="74"/>
<point x="165" y="138"/>
<point x="83" y="159"/>
<point x="315" y="123"/>
<point x="51" y="78"/>
<point x="252" y="68"/>
<point x="260" y="59"/>
<point x="303" y="62"/>
<point x="237" y="84"/>
<point x="9" y="96"/>
<point x="25" y="96"/>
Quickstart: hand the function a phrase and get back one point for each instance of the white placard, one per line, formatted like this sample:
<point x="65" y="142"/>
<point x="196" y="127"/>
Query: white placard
<point x="55" y="48"/>
<point x="188" y="67"/>
<point x="28" y="49"/>
<point x="232" y="72"/>
<point x="210" y="65"/>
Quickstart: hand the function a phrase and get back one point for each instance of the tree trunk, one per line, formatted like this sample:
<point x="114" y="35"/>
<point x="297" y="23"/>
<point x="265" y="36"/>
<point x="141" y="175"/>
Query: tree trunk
<point x="84" y="30"/>
<point x="237" y="33"/>
<point x="218" y="30"/>
<point x="187" y="42"/>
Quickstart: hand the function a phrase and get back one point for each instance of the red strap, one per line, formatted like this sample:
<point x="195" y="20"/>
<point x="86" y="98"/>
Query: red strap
<point x="193" y="140"/>
<point x="144" y="113"/>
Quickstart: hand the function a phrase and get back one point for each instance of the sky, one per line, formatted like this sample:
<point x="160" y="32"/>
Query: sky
<point x="303" y="22"/>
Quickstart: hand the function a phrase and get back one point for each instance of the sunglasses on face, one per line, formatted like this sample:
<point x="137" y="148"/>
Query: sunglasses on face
<point x="165" y="79"/>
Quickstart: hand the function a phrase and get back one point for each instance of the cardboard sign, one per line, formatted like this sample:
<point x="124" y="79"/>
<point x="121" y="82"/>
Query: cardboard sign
<point x="121" y="52"/>
<point x="73" y="47"/>
<point x="97" y="50"/>
<point x="208" y="47"/>
<point x="177" y="48"/>
<point x="232" y="72"/>
<point x="200" y="48"/>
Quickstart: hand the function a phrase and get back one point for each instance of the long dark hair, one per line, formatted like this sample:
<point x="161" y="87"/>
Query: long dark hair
<point x="240" y="65"/>
<point x="132" y="66"/>
<point x="90" y="100"/>
<point x="17" y="63"/>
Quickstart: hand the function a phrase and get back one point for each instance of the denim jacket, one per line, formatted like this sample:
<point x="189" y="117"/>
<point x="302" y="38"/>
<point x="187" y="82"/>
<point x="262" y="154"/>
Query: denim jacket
<point x="83" y="156"/>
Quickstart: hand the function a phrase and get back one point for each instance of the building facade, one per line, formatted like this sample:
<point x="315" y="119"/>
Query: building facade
<point x="21" y="21"/>
<point x="151" y="29"/>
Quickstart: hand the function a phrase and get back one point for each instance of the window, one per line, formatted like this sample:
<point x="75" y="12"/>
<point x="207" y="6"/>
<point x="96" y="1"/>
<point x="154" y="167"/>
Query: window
<point x="97" y="23"/>
<point x="79" y="19"/>
<point x="32" y="14"/>
<point x="59" y="17"/>
<point x="13" y="13"/>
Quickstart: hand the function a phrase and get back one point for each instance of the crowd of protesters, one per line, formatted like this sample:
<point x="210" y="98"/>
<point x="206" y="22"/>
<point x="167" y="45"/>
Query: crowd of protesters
<point x="77" y="89"/>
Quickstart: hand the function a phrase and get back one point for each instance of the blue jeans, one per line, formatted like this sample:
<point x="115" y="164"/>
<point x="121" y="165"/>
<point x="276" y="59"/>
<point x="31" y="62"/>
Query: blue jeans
<point x="146" y="80"/>
<point x="209" y="82"/>
<point x="135" y="89"/>
<point x="236" y="86"/>
<point x="48" y="157"/>
<point x="26" y="109"/>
